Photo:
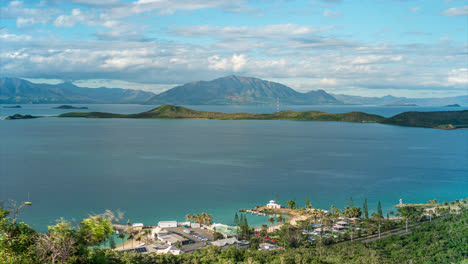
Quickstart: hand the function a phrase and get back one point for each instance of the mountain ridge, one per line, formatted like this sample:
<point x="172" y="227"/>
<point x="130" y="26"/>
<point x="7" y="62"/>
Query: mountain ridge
<point x="234" y="89"/>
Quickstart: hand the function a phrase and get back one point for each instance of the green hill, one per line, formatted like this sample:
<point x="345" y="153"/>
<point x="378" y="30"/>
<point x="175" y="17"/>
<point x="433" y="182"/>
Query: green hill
<point x="443" y="119"/>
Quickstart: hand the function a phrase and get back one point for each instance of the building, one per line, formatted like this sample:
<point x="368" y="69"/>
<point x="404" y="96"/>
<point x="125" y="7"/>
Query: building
<point x="268" y="246"/>
<point x="195" y="225"/>
<point x="338" y="227"/>
<point x="163" y="224"/>
<point x="172" y="238"/>
<point x="342" y="223"/>
<point x="227" y="242"/>
<point x="169" y="250"/>
<point x="273" y="205"/>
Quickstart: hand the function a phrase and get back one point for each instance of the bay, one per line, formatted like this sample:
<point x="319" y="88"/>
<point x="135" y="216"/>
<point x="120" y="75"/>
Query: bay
<point x="164" y="169"/>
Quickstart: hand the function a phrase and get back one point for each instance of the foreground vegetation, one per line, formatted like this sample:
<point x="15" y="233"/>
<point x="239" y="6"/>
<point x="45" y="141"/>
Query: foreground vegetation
<point x="444" y="239"/>
<point x="444" y="119"/>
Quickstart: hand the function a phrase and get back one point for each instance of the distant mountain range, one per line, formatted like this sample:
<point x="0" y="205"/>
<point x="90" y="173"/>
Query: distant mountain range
<point x="239" y="90"/>
<point x="226" y="90"/>
<point x="16" y="91"/>
<point x="391" y="100"/>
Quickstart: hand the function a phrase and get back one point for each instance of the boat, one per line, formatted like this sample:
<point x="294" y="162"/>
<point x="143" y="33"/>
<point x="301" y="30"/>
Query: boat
<point x="28" y="201"/>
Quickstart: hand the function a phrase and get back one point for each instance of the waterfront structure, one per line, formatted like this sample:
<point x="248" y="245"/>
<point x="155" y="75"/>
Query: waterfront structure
<point x="164" y="224"/>
<point x="273" y="205"/>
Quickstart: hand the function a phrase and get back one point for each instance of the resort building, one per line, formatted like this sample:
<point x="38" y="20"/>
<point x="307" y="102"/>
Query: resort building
<point x="273" y="205"/>
<point x="167" y="224"/>
<point x="227" y="242"/>
<point x="342" y="223"/>
<point x="171" y="238"/>
<point x="338" y="227"/>
<point x="268" y="246"/>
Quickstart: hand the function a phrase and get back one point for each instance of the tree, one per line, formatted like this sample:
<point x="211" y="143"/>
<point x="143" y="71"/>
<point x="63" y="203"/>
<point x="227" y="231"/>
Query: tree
<point x="291" y="204"/>
<point x="332" y="209"/>
<point x="307" y="203"/>
<point x="378" y="219"/>
<point x="271" y="220"/>
<point x="188" y="217"/>
<point x="379" y="210"/>
<point x="122" y="236"/>
<point x="351" y="201"/>
<point x="95" y="230"/>
<point x="58" y="245"/>
<point x="280" y="219"/>
<point x="365" y="209"/>
<point x="236" y="219"/>
<point x="408" y="213"/>
<point x="353" y="212"/>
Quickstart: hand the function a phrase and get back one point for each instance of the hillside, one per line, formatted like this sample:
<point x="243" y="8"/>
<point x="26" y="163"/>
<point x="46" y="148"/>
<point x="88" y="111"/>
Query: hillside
<point x="238" y="90"/>
<point x="442" y="119"/>
<point x="392" y="100"/>
<point x="445" y="119"/>
<point x="14" y="91"/>
<point x="179" y="112"/>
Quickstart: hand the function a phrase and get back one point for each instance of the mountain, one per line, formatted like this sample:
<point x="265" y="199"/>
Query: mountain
<point x="239" y="90"/>
<point x="441" y="119"/>
<point x="392" y="100"/>
<point x="14" y="90"/>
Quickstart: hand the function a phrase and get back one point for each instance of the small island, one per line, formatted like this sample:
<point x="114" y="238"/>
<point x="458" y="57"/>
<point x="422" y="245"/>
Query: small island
<point x="18" y="116"/>
<point x="453" y="105"/>
<point x="14" y="106"/>
<point x="69" y="107"/>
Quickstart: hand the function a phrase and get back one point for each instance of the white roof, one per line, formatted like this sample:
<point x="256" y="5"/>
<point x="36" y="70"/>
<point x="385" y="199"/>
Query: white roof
<point x="137" y="225"/>
<point x="272" y="201"/>
<point x="224" y="242"/>
<point x="342" y="223"/>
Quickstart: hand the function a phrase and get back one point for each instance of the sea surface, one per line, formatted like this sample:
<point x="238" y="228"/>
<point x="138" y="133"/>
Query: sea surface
<point x="157" y="170"/>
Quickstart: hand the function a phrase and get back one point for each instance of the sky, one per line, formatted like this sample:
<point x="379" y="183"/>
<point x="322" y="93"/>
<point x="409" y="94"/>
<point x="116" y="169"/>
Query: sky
<point x="412" y="48"/>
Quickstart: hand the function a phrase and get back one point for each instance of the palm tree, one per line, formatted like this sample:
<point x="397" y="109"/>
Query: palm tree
<point x="209" y="219"/>
<point x="271" y="220"/>
<point x="131" y="236"/>
<point x="188" y="217"/>
<point x="122" y="236"/>
<point x="291" y="204"/>
<point x="279" y="219"/>
<point x="332" y="209"/>
<point x="146" y="232"/>
<point x="204" y="218"/>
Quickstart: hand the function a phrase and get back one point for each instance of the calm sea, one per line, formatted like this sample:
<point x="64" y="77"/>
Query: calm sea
<point x="164" y="169"/>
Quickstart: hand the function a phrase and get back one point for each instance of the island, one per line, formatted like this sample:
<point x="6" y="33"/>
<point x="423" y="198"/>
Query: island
<point x="14" y="106"/>
<point x="69" y="107"/>
<point x="440" y="119"/>
<point x="453" y="105"/>
<point x="18" y="116"/>
<point x="401" y="104"/>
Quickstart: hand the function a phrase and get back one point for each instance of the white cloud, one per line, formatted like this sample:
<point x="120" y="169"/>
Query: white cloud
<point x="328" y="82"/>
<point x="26" y="16"/>
<point x="414" y="9"/>
<point x="456" y="11"/>
<point x="458" y="76"/>
<point x="236" y="63"/>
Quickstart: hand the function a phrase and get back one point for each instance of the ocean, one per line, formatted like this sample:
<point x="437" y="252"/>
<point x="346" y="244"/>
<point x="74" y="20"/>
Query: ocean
<point x="155" y="170"/>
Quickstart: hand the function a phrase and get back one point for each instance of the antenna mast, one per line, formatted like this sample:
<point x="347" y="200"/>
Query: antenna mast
<point x="277" y="104"/>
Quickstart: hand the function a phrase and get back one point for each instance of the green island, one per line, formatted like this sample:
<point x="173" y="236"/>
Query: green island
<point x="442" y="119"/>
<point x="416" y="233"/>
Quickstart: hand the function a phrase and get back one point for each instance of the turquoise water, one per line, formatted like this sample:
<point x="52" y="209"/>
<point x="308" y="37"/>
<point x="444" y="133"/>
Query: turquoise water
<point x="163" y="169"/>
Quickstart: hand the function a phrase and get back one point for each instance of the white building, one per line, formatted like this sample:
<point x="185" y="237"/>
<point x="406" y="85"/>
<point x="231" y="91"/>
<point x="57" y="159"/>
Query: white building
<point x="268" y="246"/>
<point x="273" y="205"/>
<point x="167" y="224"/>
<point x="227" y="242"/>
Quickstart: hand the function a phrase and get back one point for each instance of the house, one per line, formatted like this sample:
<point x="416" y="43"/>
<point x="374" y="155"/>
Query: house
<point x="167" y="224"/>
<point x="342" y="223"/>
<point x="171" y="238"/>
<point x="137" y="227"/>
<point x="273" y="205"/>
<point x="195" y="225"/>
<point x="268" y="246"/>
<point x="338" y="227"/>
<point x="227" y="242"/>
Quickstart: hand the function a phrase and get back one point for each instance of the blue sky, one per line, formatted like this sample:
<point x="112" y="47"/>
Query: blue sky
<point x="413" y="48"/>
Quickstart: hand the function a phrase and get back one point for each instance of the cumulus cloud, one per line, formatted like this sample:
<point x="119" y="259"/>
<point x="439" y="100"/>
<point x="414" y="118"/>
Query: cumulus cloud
<point x="456" y="11"/>
<point x="27" y="16"/>
<point x="458" y="76"/>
